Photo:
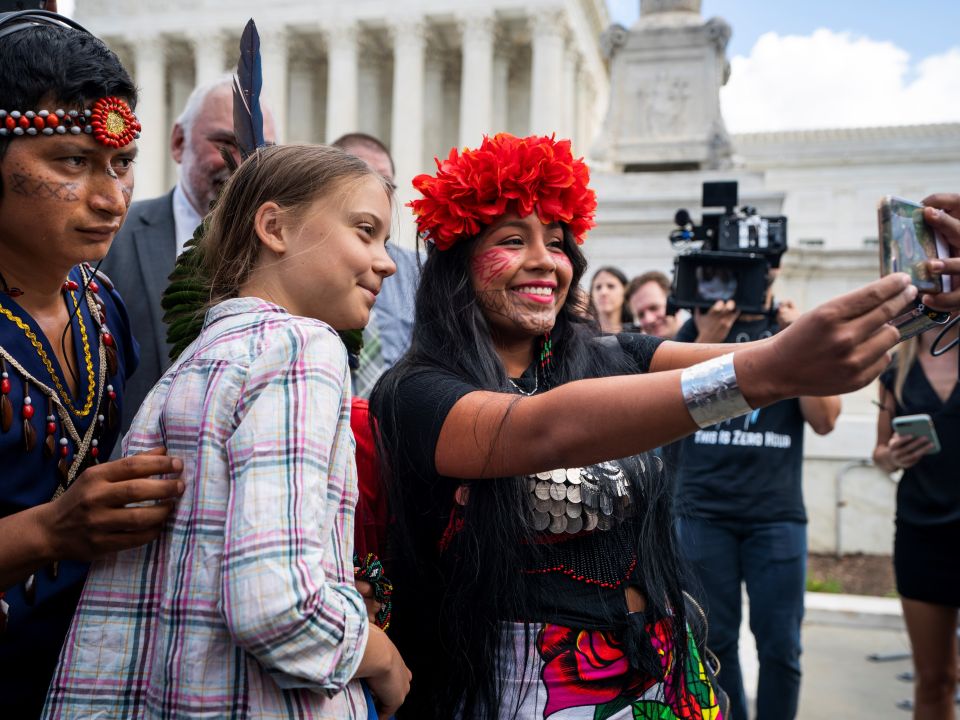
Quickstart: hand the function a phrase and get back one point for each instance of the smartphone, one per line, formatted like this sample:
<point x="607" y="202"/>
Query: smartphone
<point x="907" y="242"/>
<point x="918" y="426"/>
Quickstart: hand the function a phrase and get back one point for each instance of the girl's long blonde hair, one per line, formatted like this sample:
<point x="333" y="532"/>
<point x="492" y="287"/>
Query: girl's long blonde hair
<point x="906" y="355"/>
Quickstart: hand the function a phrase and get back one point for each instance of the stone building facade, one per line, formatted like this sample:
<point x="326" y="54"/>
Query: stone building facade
<point x="422" y="76"/>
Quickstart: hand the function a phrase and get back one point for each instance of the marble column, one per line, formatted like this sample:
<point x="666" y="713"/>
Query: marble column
<point x="301" y="124"/>
<point x="149" y="74"/>
<point x="209" y="56"/>
<point x="501" y="84"/>
<point x="180" y="82"/>
<point x="433" y="121"/>
<point x="342" y="80"/>
<point x="476" y="78"/>
<point x="546" y="81"/>
<point x="583" y="134"/>
<point x="274" y="51"/>
<point x="374" y="86"/>
<point x="570" y="61"/>
<point x="406" y="136"/>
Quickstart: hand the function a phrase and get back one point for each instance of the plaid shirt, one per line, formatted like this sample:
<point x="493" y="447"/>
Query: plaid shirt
<point x="245" y="607"/>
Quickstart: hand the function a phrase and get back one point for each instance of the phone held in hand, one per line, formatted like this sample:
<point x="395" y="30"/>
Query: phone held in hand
<point x="918" y="426"/>
<point x="906" y="244"/>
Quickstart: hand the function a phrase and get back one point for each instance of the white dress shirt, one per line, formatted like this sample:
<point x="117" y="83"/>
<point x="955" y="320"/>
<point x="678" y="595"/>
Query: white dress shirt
<point x="185" y="218"/>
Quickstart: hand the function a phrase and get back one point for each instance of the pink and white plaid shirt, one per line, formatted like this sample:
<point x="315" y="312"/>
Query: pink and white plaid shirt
<point x="245" y="607"/>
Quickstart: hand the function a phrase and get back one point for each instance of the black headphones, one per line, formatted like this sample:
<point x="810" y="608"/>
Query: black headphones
<point x="11" y="22"/>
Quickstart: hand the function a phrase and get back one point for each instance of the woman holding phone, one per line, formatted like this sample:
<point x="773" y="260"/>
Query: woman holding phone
<point x="928" y="512"/>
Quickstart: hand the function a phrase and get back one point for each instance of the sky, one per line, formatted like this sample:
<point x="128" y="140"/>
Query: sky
<point x="835" y="63"/>
<point x="802" y="64"/>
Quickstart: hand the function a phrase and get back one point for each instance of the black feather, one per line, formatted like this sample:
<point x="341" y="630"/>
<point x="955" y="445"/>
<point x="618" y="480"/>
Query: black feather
<point x="247" y="115"/>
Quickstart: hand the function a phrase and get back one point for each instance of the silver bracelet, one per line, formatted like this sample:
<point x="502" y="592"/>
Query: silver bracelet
<point x="711" y="392"/>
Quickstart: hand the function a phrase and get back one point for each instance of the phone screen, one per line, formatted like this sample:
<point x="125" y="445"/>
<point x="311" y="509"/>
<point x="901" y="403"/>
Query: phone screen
<point x="907" y="242"/>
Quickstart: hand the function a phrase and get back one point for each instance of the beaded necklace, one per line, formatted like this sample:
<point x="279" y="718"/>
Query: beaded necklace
<point x="100" y="396"/>
<point x="45" y="359"/>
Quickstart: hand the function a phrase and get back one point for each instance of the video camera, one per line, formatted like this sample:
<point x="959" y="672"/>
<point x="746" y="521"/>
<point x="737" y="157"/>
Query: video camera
<point x="727" y="256"/>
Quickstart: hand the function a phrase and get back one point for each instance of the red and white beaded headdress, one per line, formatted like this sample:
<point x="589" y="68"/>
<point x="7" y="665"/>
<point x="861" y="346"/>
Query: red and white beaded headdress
<point x="110" y="121"/>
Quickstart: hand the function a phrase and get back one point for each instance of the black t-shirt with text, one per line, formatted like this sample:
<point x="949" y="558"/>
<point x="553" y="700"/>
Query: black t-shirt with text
<point x="748" y="468"/>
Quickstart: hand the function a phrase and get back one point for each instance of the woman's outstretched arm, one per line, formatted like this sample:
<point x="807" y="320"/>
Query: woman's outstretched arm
<point x="838" y="347"/>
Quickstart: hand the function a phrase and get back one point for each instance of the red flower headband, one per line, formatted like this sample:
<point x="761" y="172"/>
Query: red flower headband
<point x="506" y="173"/>
<point x="110" y="121"/>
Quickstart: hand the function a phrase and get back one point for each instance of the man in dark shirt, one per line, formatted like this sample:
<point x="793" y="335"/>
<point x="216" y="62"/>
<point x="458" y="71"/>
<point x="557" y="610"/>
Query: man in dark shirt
<point x="742" y="519"/>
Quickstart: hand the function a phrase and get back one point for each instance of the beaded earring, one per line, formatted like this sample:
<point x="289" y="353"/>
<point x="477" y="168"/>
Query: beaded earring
<point x="546" y="354"/>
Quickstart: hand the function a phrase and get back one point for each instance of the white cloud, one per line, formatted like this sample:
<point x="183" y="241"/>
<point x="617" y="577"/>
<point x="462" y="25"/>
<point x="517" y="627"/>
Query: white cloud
<point x="831" y="79"/>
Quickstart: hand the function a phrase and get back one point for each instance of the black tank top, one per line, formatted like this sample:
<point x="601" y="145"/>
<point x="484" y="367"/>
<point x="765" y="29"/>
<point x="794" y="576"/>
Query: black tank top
<point x="929" y="492"/>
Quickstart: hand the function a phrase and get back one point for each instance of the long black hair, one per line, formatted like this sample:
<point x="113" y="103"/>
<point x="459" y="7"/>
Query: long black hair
<point x="450" y="605"/>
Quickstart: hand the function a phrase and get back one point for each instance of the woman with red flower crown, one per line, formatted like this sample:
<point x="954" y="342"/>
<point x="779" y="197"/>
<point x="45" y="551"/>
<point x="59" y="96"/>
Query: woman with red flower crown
<point x="535" y="567"/>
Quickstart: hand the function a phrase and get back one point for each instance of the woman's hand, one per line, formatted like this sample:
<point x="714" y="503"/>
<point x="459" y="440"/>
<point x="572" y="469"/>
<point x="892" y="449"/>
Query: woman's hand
<point x="943" y="215"/>
<point x="907" y="450"/>
<point x="369" y="598"/>
<point x="92" y="517"/>
<point x="835" y="348"/>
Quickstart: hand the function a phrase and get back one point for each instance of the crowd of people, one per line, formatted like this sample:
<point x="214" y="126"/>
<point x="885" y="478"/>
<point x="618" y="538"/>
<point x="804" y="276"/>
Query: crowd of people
<point x="562" y="485"/>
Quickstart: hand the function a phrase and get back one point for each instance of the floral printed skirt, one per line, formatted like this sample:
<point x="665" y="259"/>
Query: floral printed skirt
<point x="563" y="673"/>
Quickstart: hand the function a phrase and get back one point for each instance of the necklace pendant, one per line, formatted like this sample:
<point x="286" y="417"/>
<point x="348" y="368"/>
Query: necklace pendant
<point x="4" y="614"/>
<point x="29" y="436"/>
<point x="6" y="409"/>
<point x="110" y="353"/>
<point x="53" y="570"/>
<point x="112" y="412"/>
<point x="63" y="466"/>
<point x="50" y="441"/>
<point x="6" y="413"/>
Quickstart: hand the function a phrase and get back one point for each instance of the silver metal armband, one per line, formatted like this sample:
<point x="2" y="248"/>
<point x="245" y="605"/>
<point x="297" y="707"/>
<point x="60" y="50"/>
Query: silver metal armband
<point x="711" y="392"/>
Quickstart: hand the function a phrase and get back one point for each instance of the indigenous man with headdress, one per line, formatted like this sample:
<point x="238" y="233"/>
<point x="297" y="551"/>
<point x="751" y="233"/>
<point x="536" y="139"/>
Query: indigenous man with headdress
<point x="67" y="133"/>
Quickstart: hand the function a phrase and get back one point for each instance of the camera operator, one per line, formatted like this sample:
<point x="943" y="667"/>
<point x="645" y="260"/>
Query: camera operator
<point x="742" y="517"/>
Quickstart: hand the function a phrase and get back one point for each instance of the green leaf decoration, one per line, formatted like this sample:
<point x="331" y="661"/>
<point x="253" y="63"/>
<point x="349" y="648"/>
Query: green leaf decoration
<point x="651" y="710"/>
<point x="353" y="339"/>
<point x="608" y="710"/>
<point x="185" y="299"/>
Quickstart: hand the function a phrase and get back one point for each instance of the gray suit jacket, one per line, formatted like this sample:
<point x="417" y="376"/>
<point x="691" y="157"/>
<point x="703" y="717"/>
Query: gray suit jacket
<point x="139" y="263"/>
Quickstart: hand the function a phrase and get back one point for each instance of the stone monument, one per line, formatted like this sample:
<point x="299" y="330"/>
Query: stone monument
<point x="665" y="78"/>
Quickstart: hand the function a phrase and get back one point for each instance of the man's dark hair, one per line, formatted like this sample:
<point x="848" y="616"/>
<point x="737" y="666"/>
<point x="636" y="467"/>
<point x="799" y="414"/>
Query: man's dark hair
<point x="60" y="67"/>
<point x="654" y="276"/>
<point x="359" y="139"/>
